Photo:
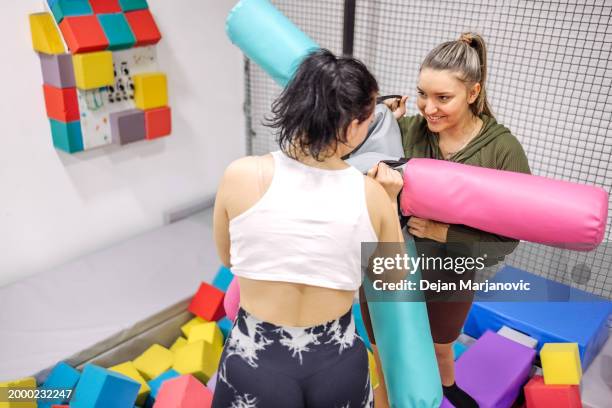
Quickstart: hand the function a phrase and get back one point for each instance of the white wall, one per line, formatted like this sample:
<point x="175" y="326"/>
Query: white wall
<point x="55" y="207"/>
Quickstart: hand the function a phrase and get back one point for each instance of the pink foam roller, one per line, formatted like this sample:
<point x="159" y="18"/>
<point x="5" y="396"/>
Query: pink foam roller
<point x="515" y="205"/>
<point x="231" y="303"/>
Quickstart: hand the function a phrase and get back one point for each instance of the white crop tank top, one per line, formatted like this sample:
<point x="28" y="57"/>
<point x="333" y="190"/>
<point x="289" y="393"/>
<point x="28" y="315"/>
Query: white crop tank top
<point x="307" y="228"/>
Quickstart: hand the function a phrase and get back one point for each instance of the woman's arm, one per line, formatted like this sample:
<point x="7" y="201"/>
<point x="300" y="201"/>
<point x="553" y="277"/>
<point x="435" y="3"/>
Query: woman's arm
<point x="221" y="223"/>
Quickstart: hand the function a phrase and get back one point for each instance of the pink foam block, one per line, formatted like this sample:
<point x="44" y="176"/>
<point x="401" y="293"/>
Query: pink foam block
<point x="183" y="392"/>
<point x="515" y="205"/>
<point x="232" y="300"/>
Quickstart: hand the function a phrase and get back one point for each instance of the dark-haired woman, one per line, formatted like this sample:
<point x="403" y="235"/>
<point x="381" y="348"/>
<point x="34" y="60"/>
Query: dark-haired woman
<point x="290" y="224"/>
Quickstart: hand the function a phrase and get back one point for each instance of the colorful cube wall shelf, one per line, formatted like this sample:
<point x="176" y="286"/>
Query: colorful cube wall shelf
<point x="144" y="27"/>
<point x="83" y="34"/>
<point x="45" y="35"/>
<point x="117" y="31"/>
<point x="66" y="8"/>
<point x="93" y="70"/>
<point x="102" y="51"/>
<point x="150" y="90"/>
<point x="105" y="6"/>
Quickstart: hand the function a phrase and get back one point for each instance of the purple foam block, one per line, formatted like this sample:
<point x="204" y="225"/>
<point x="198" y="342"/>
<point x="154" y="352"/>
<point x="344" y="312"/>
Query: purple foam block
<point x="212" y="383"/>
<point x="57" y="70"/>
<point x="127" y="126"/>
<point x="494" y="370"/>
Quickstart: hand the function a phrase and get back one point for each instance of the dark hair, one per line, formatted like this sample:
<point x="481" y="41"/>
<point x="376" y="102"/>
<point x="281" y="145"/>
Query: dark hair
<point x="466" y="56"/>
<point x="315" y="109"/>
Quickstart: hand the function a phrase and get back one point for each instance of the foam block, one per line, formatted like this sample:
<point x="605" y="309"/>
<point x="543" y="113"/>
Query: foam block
<point x="127" y="126"/>
<point x="458" y="349"/>
<point x="225" y="325"/>
<point x="65" y="8"/>
<point x="99" y="388"/>
<point x="494" y="369"/>
<point x="518" y="337"/>
<point x="93" y="70"/>
<point x="129" y="370"/>
<point x="150" y="90"/>
<point x="212" y="383"/>
<point x="207" y="303"/>
<point x="61" y="103"/>
<point x="83" y="34"/>
<point x="540" y="395"/>
<point x="184" y="392"/>
<point x="561" y="363"/>
<point x="144" y="27"/>
<point x="208" y="332"/>
<point x="157" y="382"/>
<point x="186" y="328"/>
<point x="374" y="380"/>
<point x="200" y="359"/>
<point x="45" y="36"/>
<point x="117" y="31"/>
<point x="361" y="330"/>
<point x="158" y="122"/>
<point x="62" y="376"/>
<point x="584" y="320"/>
<point x="223" y="278"/>
<point x="57" y="70"/>
<point x="178" y="343"/>
<point x="105" y="6"/>
<point x="154" y="361"/>
<point x="130" y="5"/>
<point x="67" y="136"/>
<point x="24" y="383"/>
<point x="231" y="303"/>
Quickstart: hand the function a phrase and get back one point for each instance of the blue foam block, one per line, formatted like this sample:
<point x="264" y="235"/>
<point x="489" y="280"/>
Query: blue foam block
<point x="225" y="325"/>
<point x="361" y="330"/>
<point x="156" y="383"/>
<point x="458" y="349"/>
<point x="62" y="376"/>
<point x="223" y="278"/>
<point x="268" y="38"/>
<point x="117" y="31"/>
<point x="101" y="388"/>
<point x="67" y="136"/>
<point x="69" y="8"/>
<point x="130" y="5"/>
<point x="582" y="319"/>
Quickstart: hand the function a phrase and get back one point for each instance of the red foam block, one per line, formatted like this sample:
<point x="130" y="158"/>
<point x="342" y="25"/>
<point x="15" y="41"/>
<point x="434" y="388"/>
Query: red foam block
<point x="83" y="34"/>
<point x="208" y="303"/>
<point x="184" y="392"/>
<point x="540" y="395"/>
<point x="105" y="6"/>
<point x="144" y="27"/>
<point x="158" y="122"/>
<point x="62" y="103"/>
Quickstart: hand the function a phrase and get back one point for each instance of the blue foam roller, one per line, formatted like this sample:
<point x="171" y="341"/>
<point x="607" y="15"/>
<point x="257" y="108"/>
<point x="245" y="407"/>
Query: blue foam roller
<point x="223" y="278"/>
<point x="361" y="330"/>
<point x="406" y="349"/>
<point x="268" y="38"/>
<point x="61" y="377"/>
<point x="581" y="319"/>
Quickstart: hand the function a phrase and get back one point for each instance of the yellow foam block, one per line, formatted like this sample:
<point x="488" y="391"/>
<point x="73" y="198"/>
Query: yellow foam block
<point x="373" y="372"/>
<point x="45" y="35"/>
<point x="93" y="69"/>
<point x="130" y="371"/>
<point x="180" y="342"/>
<point x="24" y="383"/>
<point x="150" y="90"/>
<point x="208" y="331"/>
<point x="153" y="362"/>
<point x="561" y="364"/>
<point x="186" y="328"/>
<point x="200" y="358"/>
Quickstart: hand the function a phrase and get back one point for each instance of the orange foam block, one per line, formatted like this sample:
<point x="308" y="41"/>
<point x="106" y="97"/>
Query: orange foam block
<point x="83" y="34"/>
<point x="540" y="395"/>
<point x="158" y="122"/>
<point x="62" y="103"/>
<point x="184" y="392"/>
<point x="207" y="303"/>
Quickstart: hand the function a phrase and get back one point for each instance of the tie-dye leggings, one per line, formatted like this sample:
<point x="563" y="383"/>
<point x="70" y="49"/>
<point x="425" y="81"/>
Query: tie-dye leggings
<point x="269" y="366"/>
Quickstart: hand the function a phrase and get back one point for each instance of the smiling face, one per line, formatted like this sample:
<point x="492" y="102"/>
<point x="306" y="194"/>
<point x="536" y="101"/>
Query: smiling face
<point x="444" y="100"/>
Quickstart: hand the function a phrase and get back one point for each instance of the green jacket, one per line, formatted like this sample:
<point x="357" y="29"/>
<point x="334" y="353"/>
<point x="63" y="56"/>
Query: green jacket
<point x="494" y="147"/>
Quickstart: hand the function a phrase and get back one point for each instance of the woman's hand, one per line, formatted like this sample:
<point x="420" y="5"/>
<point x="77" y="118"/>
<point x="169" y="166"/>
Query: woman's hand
<point x="422" y="228"/>
<point x="391" y="180"/>
<point x="397" y="106"/>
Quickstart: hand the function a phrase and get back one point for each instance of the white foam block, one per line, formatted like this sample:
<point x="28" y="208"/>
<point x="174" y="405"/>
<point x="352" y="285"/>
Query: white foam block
<point x="518" y="337"/>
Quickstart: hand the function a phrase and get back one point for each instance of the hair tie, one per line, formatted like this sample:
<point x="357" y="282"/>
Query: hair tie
<point x="466" y="38"/>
